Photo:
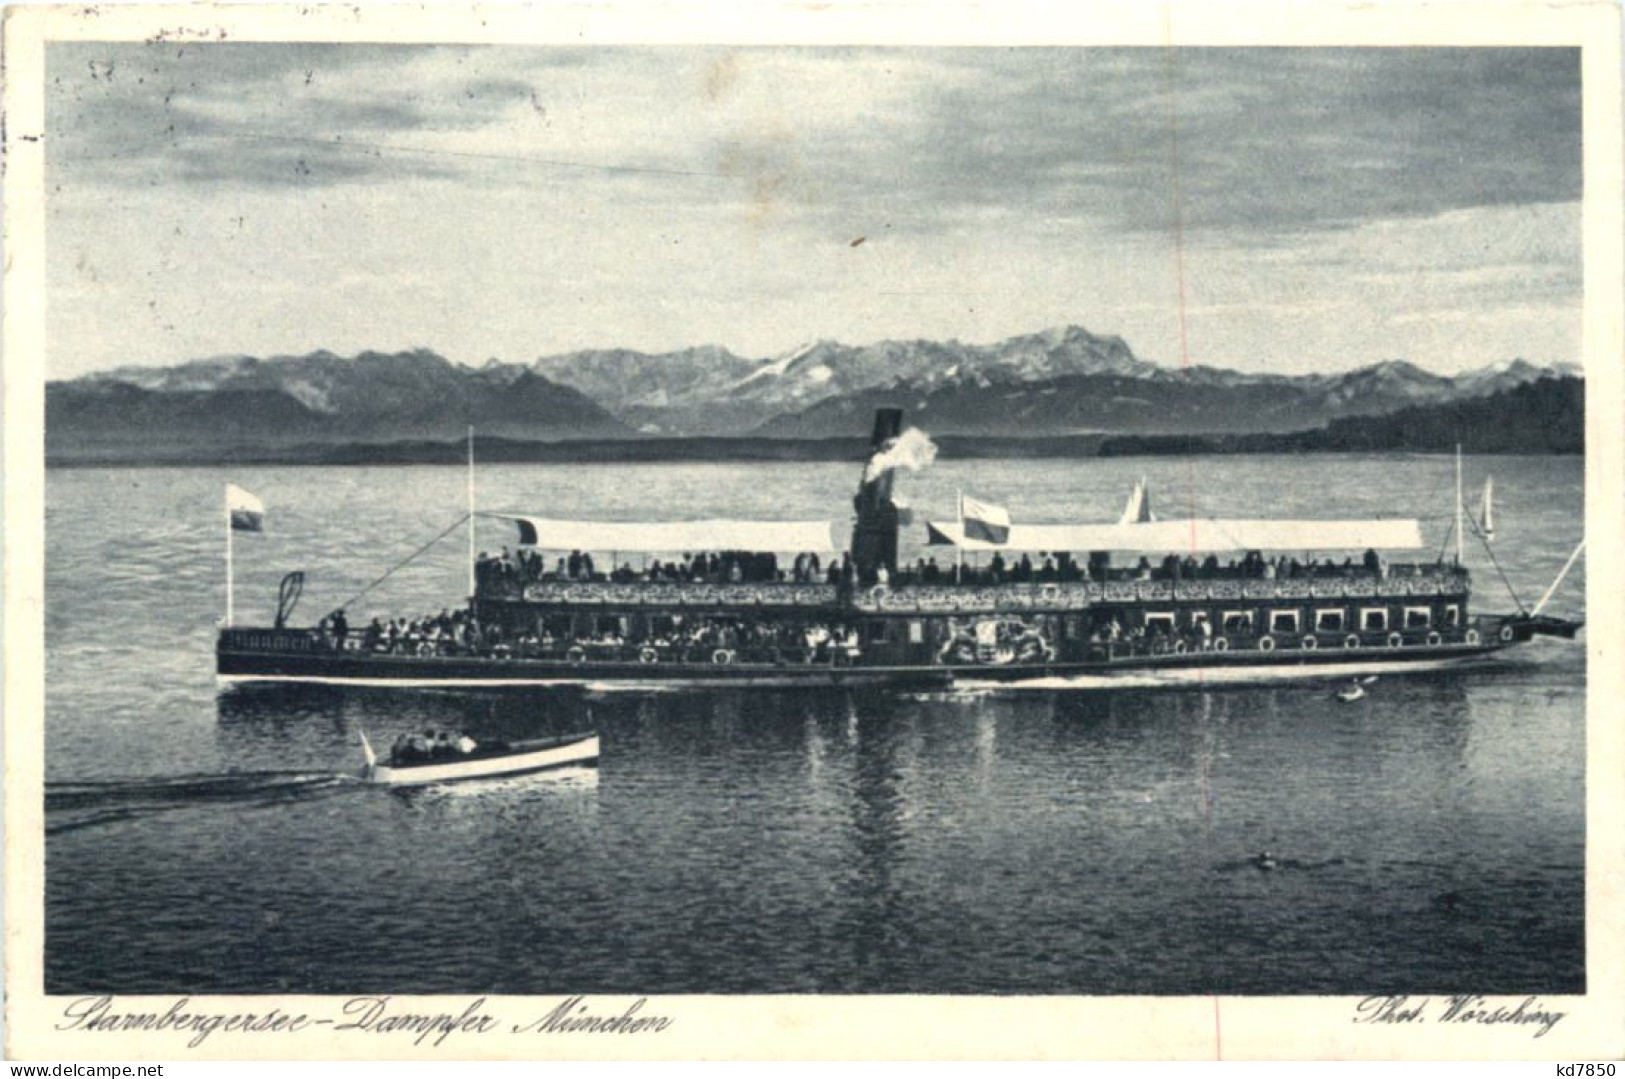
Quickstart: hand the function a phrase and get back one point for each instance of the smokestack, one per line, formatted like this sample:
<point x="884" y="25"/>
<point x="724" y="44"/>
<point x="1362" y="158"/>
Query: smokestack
<point x="874" y="534"/>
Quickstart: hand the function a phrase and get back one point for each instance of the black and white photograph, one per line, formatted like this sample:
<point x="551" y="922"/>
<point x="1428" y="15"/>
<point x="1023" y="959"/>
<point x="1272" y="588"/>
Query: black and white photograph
<point x="607" y="521"/>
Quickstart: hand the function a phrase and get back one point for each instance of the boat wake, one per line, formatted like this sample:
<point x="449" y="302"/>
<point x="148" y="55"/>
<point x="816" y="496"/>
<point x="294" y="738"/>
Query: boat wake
<point x="72" y="805"/>
<point x="1205" y="677"/>
<point x="958" y="695"/>
<point x="604" y="689"/>
<point x="574" y="778"/>
<point x="1266" y="862"/>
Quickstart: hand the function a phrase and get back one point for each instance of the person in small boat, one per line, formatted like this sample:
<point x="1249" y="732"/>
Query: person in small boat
<point x="411" y="747"/>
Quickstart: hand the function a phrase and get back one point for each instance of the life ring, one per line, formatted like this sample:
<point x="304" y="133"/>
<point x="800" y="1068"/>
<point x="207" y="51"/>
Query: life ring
<point x="1395" y="640"/>
<point x="1049" y="593"/>
<point x="1309" y="643"/>
<point x="1506" y="634"/>
<point x="1434" y="640"/>
<point x="648" y="655"/>
<point x="1221" y="644"/>
<point x="1179" y="648"/>
<point x="425" y="648"/>
<point x="576" y="654"/>
<point x="722" y="657"/>
<point x="1473" y="637"/>
<point x="878" y="594"/>
<point x="1266" y="643"/>
<point x="1351" y="641"/>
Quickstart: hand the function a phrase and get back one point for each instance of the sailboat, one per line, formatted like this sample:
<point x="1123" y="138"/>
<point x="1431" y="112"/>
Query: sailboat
<point x="1486" y="509"/>
<point x="1138" y="510"/>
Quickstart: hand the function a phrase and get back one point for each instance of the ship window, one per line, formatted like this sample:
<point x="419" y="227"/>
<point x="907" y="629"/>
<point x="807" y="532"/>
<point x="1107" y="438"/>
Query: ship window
<point x="1238" y="621"/>
<point x="1330" y="618"/>
<point x="877" y="630"/>
<point x="1374" y="618"/>
<point x="558" y="625"/>
<point x="1452" y="615"/>
<point x="916" y="632"/>
<point x="1159" y="621"/>
<point x="1283" y="621"/>
<point x="1418" y="617"/>
<point x="1074" y="628"/>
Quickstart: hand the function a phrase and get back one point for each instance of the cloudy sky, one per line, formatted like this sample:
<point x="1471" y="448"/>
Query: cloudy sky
<point x="1304" y="209"/>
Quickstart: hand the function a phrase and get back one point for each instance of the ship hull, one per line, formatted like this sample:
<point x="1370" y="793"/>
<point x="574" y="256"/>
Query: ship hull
<point x="344" y="668"/>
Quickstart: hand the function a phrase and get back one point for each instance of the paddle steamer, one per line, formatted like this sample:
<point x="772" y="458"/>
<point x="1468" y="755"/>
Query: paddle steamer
<point x="1138" y="601"/>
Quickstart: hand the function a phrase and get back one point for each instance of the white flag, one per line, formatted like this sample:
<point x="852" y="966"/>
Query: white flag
<point x="247" y="512"/>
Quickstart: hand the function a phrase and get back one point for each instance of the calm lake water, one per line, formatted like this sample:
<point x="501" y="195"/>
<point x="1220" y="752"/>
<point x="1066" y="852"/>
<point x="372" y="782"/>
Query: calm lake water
<point x="1431" y="837"/>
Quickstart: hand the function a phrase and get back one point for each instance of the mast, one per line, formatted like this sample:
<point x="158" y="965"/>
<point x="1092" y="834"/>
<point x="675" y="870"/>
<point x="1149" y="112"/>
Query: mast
<point x="959" y="548"/>
<point x="1458" y="504"/>
<point x="226" y="504"/>
<point x="471" y="555"/>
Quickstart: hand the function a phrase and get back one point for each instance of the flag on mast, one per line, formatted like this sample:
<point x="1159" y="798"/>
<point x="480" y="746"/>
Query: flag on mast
<point x="246" y="511"/>
<point x="983" y="520"/>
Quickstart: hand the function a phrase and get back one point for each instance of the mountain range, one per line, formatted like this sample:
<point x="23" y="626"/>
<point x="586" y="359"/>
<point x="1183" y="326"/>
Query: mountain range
<point x="1063" y="381"/>
<point x="317" y="398"/>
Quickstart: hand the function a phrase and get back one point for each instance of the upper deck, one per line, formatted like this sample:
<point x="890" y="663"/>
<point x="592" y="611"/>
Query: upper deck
<point x="907" y="594"/>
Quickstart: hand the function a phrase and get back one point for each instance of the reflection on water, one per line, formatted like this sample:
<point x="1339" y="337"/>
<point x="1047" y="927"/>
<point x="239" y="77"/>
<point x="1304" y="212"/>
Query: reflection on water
<point x="205" y="840"/>
<point x="855" y="842"/>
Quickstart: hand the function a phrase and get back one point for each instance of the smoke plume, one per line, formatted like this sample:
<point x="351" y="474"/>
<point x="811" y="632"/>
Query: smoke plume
<point x="913" y="450"/>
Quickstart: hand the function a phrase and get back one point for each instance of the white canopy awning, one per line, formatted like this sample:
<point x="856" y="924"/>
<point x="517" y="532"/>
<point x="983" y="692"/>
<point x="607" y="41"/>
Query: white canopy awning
<point x="1199" y="534"/>
<point x="675" y="537"/>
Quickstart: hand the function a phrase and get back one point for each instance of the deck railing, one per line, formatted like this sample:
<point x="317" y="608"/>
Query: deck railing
<point x="681" y="594"/>
<point x="904" y="595"/>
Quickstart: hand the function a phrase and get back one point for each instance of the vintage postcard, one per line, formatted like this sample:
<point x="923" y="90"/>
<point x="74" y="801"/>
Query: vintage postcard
<point x="631" y="530"/>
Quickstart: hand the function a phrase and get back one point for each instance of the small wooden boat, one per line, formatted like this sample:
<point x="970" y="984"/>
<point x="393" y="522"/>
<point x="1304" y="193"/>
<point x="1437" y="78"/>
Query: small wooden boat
<point x="485" y="760"/>
<point x="1351" y="692"/>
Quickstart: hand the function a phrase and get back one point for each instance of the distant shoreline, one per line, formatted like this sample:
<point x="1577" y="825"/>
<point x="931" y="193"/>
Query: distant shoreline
<point x="743" y="450"/>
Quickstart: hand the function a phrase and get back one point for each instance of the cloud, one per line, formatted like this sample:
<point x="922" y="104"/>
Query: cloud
<point x="1265" y="141"/>
<point x="137" y="114"/>
<point x="276" y="198"/>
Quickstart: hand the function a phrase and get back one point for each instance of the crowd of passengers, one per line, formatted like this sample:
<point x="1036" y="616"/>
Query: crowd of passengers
<point x="447" y="633"/>
<point x="524" y="567"/>
<point x="512" y="570"/>
<point x="1062" y="567"/>
<point x="459" y="633"/>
